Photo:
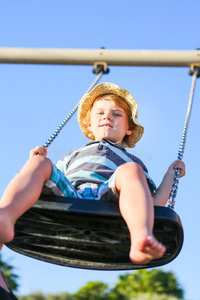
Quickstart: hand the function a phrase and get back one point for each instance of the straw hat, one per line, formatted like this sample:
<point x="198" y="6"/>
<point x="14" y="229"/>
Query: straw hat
<point x="109" y="88"/>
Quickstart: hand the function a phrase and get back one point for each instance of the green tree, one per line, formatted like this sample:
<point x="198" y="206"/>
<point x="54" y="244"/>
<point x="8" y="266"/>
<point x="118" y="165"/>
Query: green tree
<point x="150" y="282"/>
<point x="41" y="296"/>
<point x="153" y="297"/>
<point x="7" y="271"/>
<point x="93" y="291"/>
<point x="33" y="296"/>
<point x="63" y="296"/>
<point x="141" y="284"/>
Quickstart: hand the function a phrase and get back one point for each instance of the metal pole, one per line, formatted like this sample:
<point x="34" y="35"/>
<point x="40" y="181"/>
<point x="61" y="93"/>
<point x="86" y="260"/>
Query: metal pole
<point x="162" y="58"/>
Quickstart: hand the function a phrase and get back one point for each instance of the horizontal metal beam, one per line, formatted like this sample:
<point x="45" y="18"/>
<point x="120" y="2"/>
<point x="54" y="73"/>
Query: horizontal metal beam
<point x="162" y="58"/>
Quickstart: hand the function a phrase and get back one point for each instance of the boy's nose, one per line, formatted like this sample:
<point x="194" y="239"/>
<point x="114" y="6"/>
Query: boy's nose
<point x="107" y="116"/>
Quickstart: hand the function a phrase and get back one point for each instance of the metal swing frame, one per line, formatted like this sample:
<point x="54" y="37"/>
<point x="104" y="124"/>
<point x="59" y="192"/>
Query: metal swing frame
<point x="92" y="234"/>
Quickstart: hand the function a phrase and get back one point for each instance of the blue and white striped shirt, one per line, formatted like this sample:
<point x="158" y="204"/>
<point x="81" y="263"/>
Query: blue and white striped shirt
<point x="96" y="162"/>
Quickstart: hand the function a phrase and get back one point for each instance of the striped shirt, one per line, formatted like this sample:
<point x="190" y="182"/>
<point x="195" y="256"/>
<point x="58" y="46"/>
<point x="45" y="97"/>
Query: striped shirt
<point x="96" y="162"/>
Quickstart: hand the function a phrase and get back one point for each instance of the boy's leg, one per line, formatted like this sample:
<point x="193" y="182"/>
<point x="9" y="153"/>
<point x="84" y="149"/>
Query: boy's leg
<point x="22" y="193"/>
<point x="136" y="206"/>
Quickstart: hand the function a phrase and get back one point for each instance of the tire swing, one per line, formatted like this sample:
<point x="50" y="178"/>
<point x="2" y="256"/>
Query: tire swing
<point x="92" y="234"/>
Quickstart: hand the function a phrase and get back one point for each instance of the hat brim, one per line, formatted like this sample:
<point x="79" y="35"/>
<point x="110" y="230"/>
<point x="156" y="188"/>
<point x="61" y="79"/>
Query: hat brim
<point x="110" y="88"/>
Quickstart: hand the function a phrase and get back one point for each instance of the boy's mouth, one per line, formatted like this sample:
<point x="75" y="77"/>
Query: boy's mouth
<point x="106" y="125"/>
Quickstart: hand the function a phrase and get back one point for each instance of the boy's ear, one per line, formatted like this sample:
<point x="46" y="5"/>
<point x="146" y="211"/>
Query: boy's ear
<point x="129" y="131"/>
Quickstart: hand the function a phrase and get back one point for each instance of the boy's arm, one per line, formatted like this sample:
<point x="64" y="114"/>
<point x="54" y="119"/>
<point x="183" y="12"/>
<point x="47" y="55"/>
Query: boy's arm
<point x="163" y="191"/>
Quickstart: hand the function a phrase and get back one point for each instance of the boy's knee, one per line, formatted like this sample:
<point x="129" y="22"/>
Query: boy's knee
<point x="128" y="171"/>
<point x="130" y="168"/>
<point x="41" y="163"/>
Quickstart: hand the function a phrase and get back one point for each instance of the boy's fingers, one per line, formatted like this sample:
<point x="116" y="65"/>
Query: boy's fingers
<point x="180" y="165"/>
<point x="38" y="151"/>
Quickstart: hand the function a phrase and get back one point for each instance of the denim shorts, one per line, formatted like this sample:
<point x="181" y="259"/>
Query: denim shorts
<point x="59" y="185"/>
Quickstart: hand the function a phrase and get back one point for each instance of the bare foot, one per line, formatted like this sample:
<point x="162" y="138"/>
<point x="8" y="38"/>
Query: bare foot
<point x="145" y="249"/>
<point x="6" y="228"/>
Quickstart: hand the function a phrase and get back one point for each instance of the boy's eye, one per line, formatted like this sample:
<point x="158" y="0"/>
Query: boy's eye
<point x="117" y="114"/>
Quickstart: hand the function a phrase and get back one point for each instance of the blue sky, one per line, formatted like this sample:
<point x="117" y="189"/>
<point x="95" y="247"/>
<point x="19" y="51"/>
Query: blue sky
<point x="36" y="98"/>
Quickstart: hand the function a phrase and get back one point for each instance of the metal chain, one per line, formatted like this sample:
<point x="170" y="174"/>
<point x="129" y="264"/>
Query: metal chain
<point x="54" y="135"/>
<point x="174" y="187"/>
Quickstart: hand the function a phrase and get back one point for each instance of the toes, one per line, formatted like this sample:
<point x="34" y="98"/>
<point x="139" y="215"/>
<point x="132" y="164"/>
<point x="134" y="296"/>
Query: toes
<point x="155" y="244"/>
<point x="146" y="249"/>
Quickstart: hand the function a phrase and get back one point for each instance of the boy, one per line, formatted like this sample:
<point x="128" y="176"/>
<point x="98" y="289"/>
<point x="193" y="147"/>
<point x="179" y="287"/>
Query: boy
<point x="102" y="170"/>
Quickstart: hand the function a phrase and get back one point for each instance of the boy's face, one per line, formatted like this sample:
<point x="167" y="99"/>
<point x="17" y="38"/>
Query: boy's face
<point x="108" y="121"/>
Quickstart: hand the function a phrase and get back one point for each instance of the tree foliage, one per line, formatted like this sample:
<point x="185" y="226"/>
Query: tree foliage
<point x="142" y="296"/>
<point x="150" y="282"/>
<point x="141" y="284"/>
<point x="63" y="296"/>
<point x="7" y="271"/>
<point x="92" y="291"/>
<point x="34" y="296"/>
<point x="40" y="296"/>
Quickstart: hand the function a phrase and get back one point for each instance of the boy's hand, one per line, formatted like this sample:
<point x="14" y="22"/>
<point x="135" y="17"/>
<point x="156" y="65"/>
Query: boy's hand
<point x="39" y="150"/>
<point x="177" y="164"/>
